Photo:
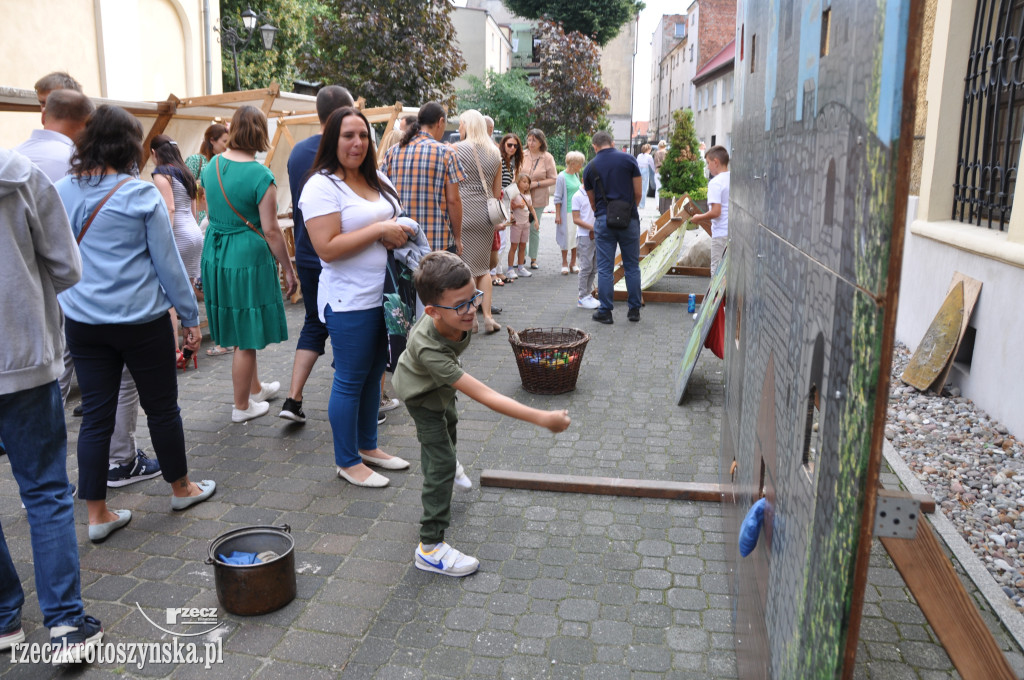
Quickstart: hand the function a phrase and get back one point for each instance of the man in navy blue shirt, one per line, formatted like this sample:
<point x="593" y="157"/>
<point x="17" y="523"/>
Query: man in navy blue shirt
<point x="313" y="336"/>
<point x="614" y="176"/>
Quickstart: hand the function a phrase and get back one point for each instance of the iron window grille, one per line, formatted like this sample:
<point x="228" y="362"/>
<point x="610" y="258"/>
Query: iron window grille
<point x="992" y="119"/>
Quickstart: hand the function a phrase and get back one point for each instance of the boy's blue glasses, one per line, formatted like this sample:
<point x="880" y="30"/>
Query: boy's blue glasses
<point x="463" y="307"/>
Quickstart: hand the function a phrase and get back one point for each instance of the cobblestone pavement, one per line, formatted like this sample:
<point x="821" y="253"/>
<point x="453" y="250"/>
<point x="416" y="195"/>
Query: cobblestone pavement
<point x="570" y="586"/>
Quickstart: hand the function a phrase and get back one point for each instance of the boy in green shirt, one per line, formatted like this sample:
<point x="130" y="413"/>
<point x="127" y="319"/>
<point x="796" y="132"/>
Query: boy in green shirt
<point x="426" y="378"/>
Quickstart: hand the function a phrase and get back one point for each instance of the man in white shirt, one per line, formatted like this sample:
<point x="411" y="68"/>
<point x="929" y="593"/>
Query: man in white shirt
<point x="64" y="118"/>
<point x="718" y="203"/>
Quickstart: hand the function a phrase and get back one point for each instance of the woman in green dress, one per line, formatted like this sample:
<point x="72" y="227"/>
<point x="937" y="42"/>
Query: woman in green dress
<point x="240" y="281"/>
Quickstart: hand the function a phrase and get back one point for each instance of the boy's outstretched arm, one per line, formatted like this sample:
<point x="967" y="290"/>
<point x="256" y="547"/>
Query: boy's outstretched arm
<point x="556" y="421"/>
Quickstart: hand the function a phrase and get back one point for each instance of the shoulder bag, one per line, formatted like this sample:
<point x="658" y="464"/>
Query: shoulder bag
<point x="618" y="213"/>
<point x="496" y="211"/>
<point x="226" y="200"/>
<point x="96" y="210"/>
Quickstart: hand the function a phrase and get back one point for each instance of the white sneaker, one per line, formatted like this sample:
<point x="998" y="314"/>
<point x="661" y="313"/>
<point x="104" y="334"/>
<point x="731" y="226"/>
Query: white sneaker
<point x="462" y="480"/>
<point x="444" y="559"/>
<point x="267" y="391"/>
<point x="387" y="403"/>
<point x="523" y="271"/>
<point x="588" y="302"/>
<point x="511" y="273"/>
<point x="255" y="410"/>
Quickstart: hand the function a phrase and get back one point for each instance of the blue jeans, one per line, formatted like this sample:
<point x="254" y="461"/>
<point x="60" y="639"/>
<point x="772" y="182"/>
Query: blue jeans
<point x="313" y="336"/>
<point x="360" y="345"/>
<point x="32" y="428"/>
<point x="628" y="241"/>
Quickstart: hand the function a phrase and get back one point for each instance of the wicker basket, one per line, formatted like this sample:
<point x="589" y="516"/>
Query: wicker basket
<point x="548" y="358"/>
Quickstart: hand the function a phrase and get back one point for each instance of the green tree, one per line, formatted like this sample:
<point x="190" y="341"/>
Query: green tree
<point x="387" y="51"/>
<point x="258" y="67"/>
<point x="508" y="98"/>
<point x="570" y="97"/>
<point x="683" y="169"/>
<point x="600" y="19"/>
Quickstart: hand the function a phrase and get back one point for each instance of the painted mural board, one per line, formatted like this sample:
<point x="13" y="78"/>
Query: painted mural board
<point x="705" y="318"/>
<point x="820" y="159"/>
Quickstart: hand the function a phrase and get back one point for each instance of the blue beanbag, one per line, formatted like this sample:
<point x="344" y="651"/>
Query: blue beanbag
<point x="751" y="527"/>
<point x="238" y="557"/>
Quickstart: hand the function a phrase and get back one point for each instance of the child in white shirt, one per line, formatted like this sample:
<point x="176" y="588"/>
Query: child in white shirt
<point x="586" y="252"/>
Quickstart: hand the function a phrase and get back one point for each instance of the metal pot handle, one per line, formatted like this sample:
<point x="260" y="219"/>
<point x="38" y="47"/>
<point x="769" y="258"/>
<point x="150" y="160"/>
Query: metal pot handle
<point x="286" y="528"/>
<point x="208" y="560"/>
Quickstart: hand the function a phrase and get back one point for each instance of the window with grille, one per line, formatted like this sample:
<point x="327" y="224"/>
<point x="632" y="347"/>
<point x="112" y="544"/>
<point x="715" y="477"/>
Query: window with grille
<point x="992" y="119"/>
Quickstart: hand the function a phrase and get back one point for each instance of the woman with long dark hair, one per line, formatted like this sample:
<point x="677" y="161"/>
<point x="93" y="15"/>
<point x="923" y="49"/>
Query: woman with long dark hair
<point x="117" y="314"/>
<point x="178" y="188"/>
<point x="511" y="150"/>
<point x="215" y="142"/>
<point x="241" y="289"/>
<point x="350" y="210"/>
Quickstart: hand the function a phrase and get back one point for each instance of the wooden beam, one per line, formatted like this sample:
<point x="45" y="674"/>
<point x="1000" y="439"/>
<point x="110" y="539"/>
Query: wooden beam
<point x="659" y="296"/>
<point x="273" y="145"/>
<point x="604" y="486"/>
<point x="950" y="611"/>
<point x="690" y="271"/>
<point x="268" y="101"/>
<point x="166" y="113"/>
<point x="225" y="98"/>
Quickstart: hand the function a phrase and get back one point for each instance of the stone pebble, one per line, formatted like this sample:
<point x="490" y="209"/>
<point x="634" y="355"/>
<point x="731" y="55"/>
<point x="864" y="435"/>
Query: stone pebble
<point x="971" y="464"/>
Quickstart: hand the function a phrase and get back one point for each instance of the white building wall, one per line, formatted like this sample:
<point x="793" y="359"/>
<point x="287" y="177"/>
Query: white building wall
<point x="714" y="118"/>
<point x="482" y="42"/>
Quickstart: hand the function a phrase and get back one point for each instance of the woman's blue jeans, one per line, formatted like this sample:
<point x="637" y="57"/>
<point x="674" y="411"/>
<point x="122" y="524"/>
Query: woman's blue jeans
<point x="359" y="342"/>
<point x="32" y="429"/>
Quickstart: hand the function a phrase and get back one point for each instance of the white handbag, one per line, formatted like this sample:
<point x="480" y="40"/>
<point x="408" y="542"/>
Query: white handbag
<point x="496" y="210"/>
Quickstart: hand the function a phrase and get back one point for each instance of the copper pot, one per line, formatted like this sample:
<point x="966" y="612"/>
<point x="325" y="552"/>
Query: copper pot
<point x="254" y="589"/>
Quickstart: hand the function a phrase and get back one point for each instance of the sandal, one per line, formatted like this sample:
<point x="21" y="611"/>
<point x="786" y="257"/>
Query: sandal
<point x="218" y="351"/>
<point x="497" y="282"/>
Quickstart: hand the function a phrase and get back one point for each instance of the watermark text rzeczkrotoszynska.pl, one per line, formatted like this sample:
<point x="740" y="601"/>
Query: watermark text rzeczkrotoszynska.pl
<point x="136" y="654"/>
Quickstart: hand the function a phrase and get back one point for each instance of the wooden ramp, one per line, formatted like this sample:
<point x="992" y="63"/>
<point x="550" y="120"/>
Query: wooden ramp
<point x="676" y="217"/>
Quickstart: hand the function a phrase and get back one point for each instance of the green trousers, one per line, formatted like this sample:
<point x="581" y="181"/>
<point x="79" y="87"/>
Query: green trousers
<point x="437" y="434"/>
<point x="534" y="242"/>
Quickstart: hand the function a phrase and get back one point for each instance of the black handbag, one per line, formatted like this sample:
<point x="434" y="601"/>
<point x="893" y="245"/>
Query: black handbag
<point x="618" y="213"/>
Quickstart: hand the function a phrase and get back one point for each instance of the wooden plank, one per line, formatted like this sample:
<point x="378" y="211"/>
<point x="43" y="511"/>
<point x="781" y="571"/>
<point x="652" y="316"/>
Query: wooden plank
<point x="659" y="296"/>
<point x="690" y="271"/>
<point x="225" y="98"/>
<point x="950" y="611"/>
<point x="268" y="101"/>
<point x="273" y="145"/>
<point x="605" y="486"/>
<point x="935" y="350"/>
<point x="167" y="110"/>
<point x="972" y="289"/>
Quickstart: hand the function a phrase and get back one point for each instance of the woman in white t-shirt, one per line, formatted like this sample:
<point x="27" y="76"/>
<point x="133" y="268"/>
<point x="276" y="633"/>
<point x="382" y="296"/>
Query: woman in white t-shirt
<point x="350" y="210"/>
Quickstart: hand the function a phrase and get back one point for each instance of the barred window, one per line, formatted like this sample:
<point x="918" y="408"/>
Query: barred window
<point x="992" y="119"/>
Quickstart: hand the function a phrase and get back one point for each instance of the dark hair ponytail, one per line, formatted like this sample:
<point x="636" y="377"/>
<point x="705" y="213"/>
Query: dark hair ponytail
<point x="168" y="161"/>
<point x="429" y="114"/>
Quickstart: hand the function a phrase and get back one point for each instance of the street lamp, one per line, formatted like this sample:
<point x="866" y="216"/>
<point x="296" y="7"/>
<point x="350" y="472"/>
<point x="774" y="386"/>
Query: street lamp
<point x="232" y="35"/>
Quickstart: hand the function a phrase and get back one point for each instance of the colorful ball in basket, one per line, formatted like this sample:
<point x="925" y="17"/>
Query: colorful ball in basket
<point x="548" y="359"/>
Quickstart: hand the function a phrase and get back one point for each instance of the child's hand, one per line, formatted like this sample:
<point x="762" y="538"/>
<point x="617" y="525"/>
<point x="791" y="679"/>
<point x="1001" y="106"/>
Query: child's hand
<point x="556" y="421"/>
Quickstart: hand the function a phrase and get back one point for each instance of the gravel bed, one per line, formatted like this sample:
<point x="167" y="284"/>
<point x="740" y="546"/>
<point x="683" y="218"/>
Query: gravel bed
<point x="972" y="466"/>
